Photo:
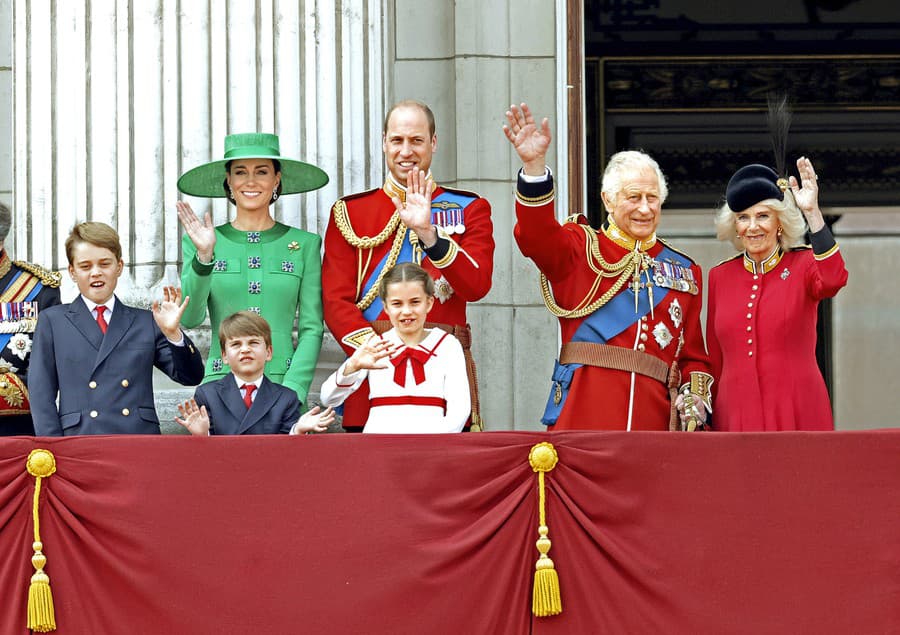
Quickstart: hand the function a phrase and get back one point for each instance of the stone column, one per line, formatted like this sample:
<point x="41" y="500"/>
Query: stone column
<point x="113" y="100"/>
<point x="470" y="60"/>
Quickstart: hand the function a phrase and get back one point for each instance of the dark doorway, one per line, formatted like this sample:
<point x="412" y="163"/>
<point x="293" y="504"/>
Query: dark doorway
<point x="688" y="81"/>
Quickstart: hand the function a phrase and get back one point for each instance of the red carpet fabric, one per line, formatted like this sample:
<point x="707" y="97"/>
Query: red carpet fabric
<point x="395" y="534"/>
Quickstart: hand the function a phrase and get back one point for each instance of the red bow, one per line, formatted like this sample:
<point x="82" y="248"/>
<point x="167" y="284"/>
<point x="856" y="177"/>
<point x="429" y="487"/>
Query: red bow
<point x="416" y="358"/>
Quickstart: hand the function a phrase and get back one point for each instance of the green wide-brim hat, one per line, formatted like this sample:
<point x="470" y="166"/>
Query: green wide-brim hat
<point x="296" y="176"/>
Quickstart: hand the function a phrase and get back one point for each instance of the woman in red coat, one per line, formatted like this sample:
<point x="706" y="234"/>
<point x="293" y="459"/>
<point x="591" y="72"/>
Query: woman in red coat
<point x="761" y="318"/>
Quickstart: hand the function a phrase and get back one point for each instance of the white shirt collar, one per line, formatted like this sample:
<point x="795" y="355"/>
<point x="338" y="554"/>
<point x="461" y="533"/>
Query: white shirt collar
<point x="240" y="382"/>
<point x="92" y="306"/>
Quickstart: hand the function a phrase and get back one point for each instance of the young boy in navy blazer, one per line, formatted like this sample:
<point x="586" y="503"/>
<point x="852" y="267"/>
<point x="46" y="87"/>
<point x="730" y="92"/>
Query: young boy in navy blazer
<point x="96" y="354"/>
<point x="246" y="401"/>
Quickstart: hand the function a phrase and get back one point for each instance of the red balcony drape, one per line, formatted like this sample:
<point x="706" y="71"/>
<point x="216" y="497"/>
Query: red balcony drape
<point x="652" y="533"/>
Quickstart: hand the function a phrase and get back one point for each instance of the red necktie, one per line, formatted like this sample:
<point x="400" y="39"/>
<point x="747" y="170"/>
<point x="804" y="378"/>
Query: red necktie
<point x="101" y="322"/>
<point x="416" y="358"/>
<point x="248" y="394"/>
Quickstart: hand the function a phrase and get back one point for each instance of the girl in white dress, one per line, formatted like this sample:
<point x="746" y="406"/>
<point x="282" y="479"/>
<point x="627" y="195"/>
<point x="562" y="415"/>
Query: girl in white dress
<point x="417" y="376"/>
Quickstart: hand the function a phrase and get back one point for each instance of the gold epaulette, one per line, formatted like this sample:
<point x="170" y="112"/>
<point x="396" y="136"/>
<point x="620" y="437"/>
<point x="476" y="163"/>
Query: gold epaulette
<point x="49" y="278"/>
<point x="573" y="218"/>
<point x="677" y="251"/>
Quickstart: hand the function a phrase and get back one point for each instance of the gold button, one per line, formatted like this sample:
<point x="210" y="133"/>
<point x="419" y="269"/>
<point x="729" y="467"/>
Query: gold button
<point x="643" y="337"/>
<point x="124" y="383"/>
<point x="749" y="341"/>
<point x="752" y="296"/>
<point x="750" y="353"/>
<point x="641" y="347"/>
<point x="755" y="287"/>
<point x="94" y="414"/>
<point x="644" y="319"/>
<point x="749" y="328"/>
<point x="755" y="277"/>
<point x="126" y="411"/>
<point x="92" y="385"/>
<point x="749" y="315"/>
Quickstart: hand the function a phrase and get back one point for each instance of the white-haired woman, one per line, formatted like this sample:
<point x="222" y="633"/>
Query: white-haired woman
<point x="761" y="317"/>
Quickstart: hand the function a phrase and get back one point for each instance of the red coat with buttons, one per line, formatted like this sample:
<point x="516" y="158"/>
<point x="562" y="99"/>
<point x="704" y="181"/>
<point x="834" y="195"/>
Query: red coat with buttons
<point x="602" y="398"/>
<point x="761" y="332"/>
<point x="344" y="266"/>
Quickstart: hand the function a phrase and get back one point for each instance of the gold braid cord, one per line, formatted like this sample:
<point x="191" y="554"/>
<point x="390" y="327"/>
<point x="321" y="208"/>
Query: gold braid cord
<point x="546" y="598"/>
<point x="342" y="221"/>
<point x="41" y="464"/>
<point x="623" y="269"/>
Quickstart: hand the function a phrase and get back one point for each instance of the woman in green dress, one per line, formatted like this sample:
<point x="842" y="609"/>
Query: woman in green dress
<point x="254" y="262"/>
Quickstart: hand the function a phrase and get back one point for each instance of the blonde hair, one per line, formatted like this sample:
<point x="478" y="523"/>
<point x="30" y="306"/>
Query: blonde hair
<point x="789" y="216"/>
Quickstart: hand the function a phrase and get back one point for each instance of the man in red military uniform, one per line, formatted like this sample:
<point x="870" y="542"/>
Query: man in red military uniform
<point x="368" y="233"/>
<point x="628" y="304"/>
<point x="25" y="290"/>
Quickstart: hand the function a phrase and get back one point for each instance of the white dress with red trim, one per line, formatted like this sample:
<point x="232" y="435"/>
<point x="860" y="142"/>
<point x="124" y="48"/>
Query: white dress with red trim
<point x="424" y="389"/>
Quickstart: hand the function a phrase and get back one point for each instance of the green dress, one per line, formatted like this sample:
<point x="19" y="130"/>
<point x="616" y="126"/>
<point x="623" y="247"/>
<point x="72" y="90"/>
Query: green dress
<point x="276" y="273"/>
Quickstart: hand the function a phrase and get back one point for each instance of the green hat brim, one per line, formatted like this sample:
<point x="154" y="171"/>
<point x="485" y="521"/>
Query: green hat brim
<point x="206" y="180"/>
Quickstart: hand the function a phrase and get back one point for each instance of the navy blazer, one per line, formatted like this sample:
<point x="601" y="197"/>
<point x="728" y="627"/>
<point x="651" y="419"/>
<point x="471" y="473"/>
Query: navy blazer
<point x="104" y="382"/>
<point x="274" y="411"/>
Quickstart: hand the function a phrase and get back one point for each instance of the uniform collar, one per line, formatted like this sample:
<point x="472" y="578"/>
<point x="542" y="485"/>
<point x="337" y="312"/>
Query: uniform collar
<point x="5" y="263"/>
<point x="767" y="265"/>
<point x="612" y="231"/>
<point x="392" y="188"/>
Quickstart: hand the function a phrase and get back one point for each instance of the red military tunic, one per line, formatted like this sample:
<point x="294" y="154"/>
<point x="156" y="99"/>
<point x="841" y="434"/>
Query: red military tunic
<point x="461" y="263"/>
<point x="761" y="331"/>
<point x="605" y="398"/>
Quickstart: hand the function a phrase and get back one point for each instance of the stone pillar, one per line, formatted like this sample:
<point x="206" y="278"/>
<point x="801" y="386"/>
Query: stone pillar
<point x="6" y="90"/>
<point x="470" y="60"/>
<point x="115" y="99"/>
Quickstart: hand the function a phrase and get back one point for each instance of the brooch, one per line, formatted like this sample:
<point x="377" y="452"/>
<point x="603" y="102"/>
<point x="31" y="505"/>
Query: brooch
<point x="785" y="273"/>
<point x="675" y="313"/>
<point x="293" y="245"/>
<point x="442" y="289"/>
<point x="662" y="334"/>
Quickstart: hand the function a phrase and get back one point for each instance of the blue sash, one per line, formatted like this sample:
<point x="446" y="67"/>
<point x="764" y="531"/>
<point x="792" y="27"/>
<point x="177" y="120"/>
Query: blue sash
<point x="439" y="205"/>
<point x="601" y="326"/>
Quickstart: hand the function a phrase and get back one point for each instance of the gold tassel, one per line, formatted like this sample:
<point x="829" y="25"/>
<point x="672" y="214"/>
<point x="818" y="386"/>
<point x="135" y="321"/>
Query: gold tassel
<point x="546" y="599"/>
<point x="41" y="618"/>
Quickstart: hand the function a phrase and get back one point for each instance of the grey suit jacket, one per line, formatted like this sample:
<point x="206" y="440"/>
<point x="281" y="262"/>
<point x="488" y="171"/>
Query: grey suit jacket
<point x="104" y="382"/>
<point x="274" y="411"/>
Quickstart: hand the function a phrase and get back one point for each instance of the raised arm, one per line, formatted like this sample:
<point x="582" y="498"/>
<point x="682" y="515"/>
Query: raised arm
<point x="529" y="141"/>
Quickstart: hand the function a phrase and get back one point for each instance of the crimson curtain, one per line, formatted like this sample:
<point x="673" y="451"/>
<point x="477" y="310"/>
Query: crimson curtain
<point x="394" y="534"/>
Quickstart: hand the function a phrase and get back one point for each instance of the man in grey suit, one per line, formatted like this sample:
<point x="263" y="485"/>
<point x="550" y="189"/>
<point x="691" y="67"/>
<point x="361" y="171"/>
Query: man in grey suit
<point x="97" y="354"/>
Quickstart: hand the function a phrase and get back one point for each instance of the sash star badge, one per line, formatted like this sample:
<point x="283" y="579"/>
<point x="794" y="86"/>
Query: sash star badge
<point x="662" y="335"/>
<point x="442" y="289"/>
<point x="675" y="313"/>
